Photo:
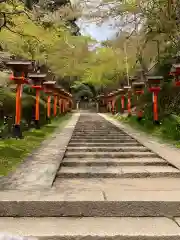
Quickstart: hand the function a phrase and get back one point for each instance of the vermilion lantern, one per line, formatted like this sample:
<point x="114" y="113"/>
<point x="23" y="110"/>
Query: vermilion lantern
<point x="122" y="94"/>
<point x="128" y="90"/>
<point x="67" y="97"/>
<point x="20" y="70"/>
<point x="37" y="81"/>
<point x="138" y="88"/>
<point x="63" y="107"/>
<point x="154" y="83"/>
<point x="175" y="71"/>
<point x="111" y="100"/>
<point x="48" y="87"/>
<point x="56" y="95"/>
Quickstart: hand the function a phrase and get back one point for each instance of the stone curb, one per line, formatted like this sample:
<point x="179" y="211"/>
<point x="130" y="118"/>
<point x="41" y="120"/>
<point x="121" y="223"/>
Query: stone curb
<point x="38" y="171"/>
<point x="165" y="151"/>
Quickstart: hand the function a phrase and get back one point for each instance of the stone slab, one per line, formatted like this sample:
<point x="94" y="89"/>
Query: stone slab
<point x="39" y="169"/>
<point x="112" y="161"/>
<point x="109" y="149"/>
<point x="90" y="203"/>
<point x="118" y="172"/>
<point x="103" y="140"/>
<point x="122" y="184"/>
<point x="110" y="154"/>
<point x="102" y="137"/>
<point x="91" y="144"/>
<point x="93" y="228"/>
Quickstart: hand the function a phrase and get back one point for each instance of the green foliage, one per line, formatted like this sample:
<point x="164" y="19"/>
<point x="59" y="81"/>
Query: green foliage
<point x="82" y="90"/>
<point x="12" y="152"/>
<point x="169" y="130"/>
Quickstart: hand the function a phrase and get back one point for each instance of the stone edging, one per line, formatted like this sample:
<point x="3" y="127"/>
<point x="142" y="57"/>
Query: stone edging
<point x="38" y="170"/>
<point x="165" y="151"/>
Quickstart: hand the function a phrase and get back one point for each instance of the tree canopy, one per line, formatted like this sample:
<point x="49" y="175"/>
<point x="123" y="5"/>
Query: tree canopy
<point x="46" y="36"/>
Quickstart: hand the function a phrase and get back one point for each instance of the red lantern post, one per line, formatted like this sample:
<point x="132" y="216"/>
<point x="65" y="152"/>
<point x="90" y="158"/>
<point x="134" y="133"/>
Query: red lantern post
<point x="121" y="92"/>
<point x="37" y="80"/>
<point x="60" y="100"/>
<point x="138" y="90"/>
<point x="111" y="103"/>
<point x="127" y="89"/>
<point x="62" y="106"/>
<point x="20" y="70"/>
<point x="49" y="88"/>
<point x="154" y="87"/>
<point x="175" y="71"/>
<point x="55" y="101"/>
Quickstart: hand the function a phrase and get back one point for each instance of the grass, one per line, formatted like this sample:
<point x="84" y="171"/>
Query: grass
<point x="168" y="131"/>
<point x="13" y="151"/>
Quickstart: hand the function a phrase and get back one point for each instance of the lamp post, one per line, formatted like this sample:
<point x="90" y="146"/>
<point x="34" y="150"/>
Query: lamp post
<point x="111" y="100"/>
<point x="154" y="87"/>
<point x="175" y="71"/>
<point x="127" y="89"/>
<point x="37" y="80"/>
<point x="56" y="93"/>
<point x="20" y="70"/>
<point x="122" y="95"/>
<point x="49" y="88"/>
<point x="138" y="90"/>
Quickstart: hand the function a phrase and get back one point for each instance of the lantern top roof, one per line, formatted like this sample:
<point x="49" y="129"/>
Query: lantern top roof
<point x="18" y="63"/>
<point x="50" y="83"/>
<point x="154" y="77"/>
<point x="176" y="65"/>
<point x="101" y="95"/>
<point x="138" y="84"/>
<point x="133" y="78"/>
<point x="37" y="75"/>
<point x="127" y="87"/>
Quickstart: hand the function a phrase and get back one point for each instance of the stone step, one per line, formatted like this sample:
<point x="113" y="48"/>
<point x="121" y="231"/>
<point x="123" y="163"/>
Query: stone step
<point x="90" y="144"/>
<point x="103" y="140"/>
<point x="72" y="162"/>
<point x="144" y="228"/>
<point x="84" y="154"/>
<point x="99" y="134"/>
<point x="118" y="172"/>
<point x="101" y="137"/>
<point x="89" y="203"/>
<point x="116" y="185"/>
<point x="109" y="149"/>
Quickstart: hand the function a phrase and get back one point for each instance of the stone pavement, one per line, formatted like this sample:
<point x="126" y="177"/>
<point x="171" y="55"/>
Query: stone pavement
<point x="106" y="182"/>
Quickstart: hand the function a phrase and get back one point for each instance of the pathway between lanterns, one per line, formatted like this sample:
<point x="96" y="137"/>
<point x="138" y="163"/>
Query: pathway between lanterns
<point x="106" y="181"/>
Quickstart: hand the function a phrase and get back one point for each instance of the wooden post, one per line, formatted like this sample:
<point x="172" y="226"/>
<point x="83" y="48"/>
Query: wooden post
<point x="155" y="108"/>
<point x="20" y="69"/>
<point x="49" y="106"/>
<point x="55" y="105"/>
<point x="18" y="105"/>
<point x="129" y="103"/>
<point x="60" y="105"/>
<point x="37" y="105"/>
<point x="138" y="90"/>
<point x="127" y="89"/>
<point x="49" y="87"/>
<point x="113" y="105"/>
<point x="37" y="80"/>
<point x="122" y="103"/>
<point x="154" y="87"/>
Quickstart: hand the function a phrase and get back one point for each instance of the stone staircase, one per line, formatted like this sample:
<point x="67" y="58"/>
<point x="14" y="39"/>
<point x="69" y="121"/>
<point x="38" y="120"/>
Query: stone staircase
<point x="109" y="186"/>
<point x="99" y="150"/>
